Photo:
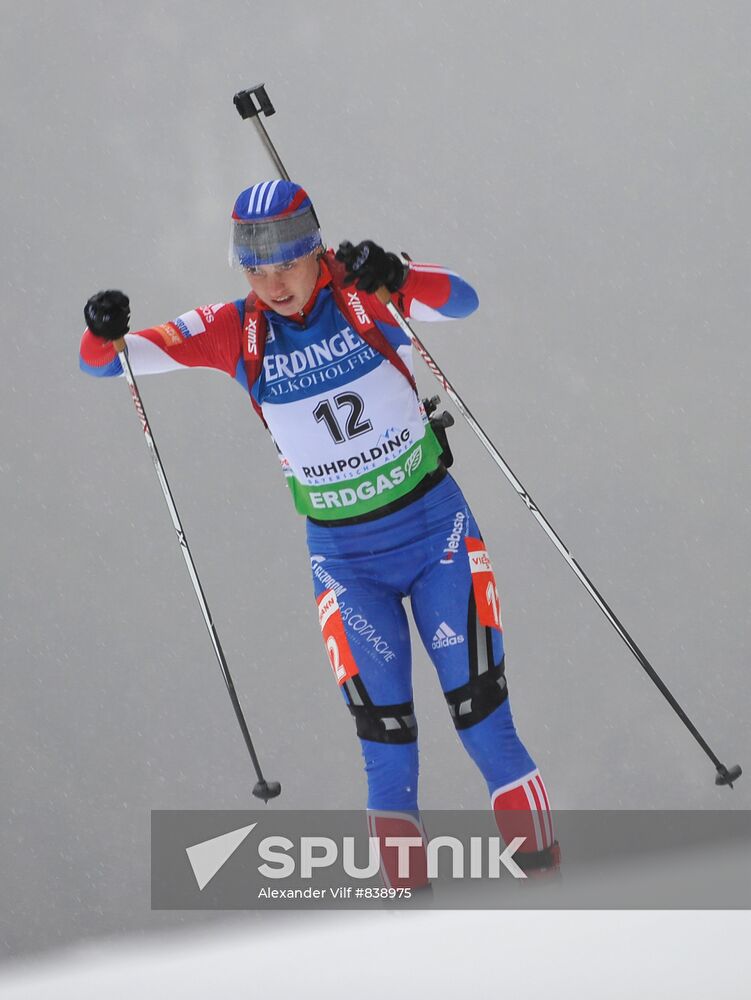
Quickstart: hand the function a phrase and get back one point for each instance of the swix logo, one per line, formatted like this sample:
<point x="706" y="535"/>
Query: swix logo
<point x="453" y="540"/>
<point x="252" y="336"/>
<point x="358" y="308"/>
<point x="140" y="410"/>
<point x="445" y="636"/>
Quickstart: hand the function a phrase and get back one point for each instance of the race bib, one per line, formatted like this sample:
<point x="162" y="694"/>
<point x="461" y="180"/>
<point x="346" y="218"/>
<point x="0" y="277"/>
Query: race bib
<point x="335" y="638"/>
<point x="484" y="586"/>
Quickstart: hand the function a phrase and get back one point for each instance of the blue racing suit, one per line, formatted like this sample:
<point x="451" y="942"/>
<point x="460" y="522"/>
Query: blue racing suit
<point x="386" y="522"/>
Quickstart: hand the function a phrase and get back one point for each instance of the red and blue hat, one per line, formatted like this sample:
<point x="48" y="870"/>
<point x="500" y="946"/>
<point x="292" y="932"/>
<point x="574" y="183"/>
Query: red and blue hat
<point x="273" y="222"/>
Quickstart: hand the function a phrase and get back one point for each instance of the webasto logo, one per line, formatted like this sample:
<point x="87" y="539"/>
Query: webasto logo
<point x="453" y="540"/>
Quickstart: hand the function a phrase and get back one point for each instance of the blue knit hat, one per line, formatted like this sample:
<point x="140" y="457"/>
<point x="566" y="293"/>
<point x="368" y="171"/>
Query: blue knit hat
<point x="272" y="222"/>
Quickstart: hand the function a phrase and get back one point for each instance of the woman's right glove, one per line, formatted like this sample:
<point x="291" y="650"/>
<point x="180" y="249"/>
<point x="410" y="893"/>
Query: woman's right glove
<point x="107" y="314"/>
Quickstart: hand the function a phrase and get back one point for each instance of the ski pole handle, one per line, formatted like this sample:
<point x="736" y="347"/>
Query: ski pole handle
<point x="245" y="103"/>
<point x="246" y="108"/>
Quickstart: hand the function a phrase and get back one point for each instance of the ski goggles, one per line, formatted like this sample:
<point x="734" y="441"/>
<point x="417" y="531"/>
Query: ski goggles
<point x="273" y="241"/>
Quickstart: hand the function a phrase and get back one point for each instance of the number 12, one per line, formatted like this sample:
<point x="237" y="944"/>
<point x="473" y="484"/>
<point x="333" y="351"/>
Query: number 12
<point x="354" y="425"/>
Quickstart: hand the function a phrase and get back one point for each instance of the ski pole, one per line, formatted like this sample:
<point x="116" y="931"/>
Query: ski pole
<point x="263" y="789"/>
<point x="247" y="108"/>
<point x="725" y="775"/>
<point x="245" y="102"/>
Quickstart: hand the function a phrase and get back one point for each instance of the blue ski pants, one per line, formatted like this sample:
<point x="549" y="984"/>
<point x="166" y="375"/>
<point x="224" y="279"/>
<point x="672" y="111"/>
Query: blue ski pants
<point x="430" y="551"/>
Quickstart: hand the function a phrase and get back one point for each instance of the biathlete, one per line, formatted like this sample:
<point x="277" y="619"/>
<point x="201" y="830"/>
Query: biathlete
<point x="331" y="376"/>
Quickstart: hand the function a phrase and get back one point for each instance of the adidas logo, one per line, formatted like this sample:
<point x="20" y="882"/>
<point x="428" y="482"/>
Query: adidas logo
<point x="445" y="636"/>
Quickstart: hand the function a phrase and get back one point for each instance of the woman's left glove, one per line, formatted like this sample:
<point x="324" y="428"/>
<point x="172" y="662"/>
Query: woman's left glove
<point x="107" y="314"/>
<point x="370" y="266"/>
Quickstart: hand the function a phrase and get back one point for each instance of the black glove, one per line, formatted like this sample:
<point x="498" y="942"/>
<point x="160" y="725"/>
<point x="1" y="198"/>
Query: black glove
<point x="371" y="266"/>
<point x="107" y="314"/>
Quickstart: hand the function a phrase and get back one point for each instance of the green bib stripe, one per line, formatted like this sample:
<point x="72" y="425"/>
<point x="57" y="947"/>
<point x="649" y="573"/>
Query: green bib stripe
<point x="367" y="493"/>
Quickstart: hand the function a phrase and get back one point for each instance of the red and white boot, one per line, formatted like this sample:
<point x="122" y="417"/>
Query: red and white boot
<point x="522" y="809"/>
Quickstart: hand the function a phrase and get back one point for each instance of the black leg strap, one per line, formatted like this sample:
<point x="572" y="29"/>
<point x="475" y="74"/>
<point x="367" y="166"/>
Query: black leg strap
<point x="380" y="723"/>
<point x="474" y="701"/>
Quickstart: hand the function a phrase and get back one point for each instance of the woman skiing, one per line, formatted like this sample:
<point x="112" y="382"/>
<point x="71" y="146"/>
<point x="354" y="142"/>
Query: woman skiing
<point x="331" y="376"/>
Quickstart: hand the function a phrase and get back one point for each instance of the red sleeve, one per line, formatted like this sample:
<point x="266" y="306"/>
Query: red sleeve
<point x="207" y="337"/>
<point x="429" y="292"/>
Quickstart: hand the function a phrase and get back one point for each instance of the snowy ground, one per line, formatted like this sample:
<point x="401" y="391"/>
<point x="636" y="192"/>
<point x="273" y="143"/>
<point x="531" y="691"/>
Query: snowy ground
<point x="520" y="955"/>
